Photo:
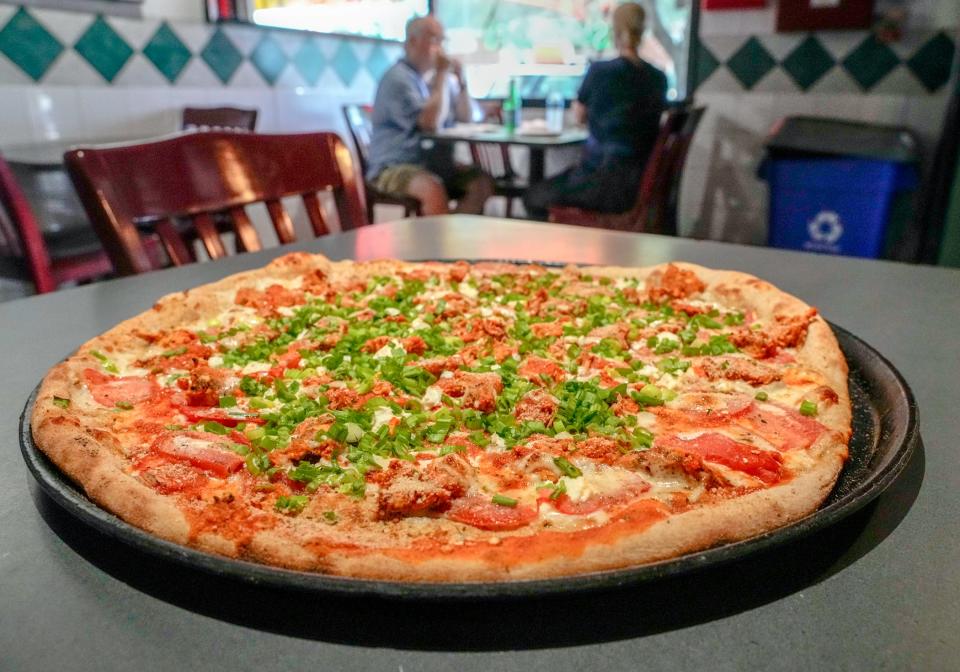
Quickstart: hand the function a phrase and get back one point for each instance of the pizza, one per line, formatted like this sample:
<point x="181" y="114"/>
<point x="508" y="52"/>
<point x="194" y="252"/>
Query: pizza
<point x="441" y="422"/>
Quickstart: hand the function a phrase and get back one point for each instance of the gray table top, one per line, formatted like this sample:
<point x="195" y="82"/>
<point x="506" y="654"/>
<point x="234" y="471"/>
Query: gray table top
<point x="877" y="591"/>
<point x="501" y="136"/>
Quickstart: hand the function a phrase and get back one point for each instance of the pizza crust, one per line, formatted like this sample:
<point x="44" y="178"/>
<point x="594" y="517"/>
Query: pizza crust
<point x="87" y="454"/>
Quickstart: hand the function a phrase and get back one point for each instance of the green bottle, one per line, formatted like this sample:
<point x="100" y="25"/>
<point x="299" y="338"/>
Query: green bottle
<point x="512" y="107"/>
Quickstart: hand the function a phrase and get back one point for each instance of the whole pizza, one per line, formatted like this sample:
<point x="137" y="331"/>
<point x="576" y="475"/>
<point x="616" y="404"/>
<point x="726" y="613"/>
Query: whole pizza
<point x="456" y="421"/>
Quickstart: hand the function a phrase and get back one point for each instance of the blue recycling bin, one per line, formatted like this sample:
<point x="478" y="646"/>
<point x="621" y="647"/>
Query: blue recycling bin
<point x="834" y="194"/>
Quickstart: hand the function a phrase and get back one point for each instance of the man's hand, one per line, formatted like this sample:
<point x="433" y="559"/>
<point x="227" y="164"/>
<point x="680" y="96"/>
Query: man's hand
<point x="456" y="67"/>
<point x="443" y="63"/>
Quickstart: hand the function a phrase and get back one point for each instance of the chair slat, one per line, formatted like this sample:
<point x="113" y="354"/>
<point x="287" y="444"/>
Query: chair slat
<point x="248" y="240"/>
<point x="209" y="236"/>
<point x="281" y="221"/>
<point x="173" y="244"/>
<point x="315" y="213"/>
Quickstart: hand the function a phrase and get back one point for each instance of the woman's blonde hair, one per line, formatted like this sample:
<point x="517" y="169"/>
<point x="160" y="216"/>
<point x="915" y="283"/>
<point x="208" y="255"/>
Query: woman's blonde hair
<point x="628" y="23"/>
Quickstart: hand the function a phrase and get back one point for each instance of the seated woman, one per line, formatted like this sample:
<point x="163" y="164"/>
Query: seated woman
<point x="621" y="101"/>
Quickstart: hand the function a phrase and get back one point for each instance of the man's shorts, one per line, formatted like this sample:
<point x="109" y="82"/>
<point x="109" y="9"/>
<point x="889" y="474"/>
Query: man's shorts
<point x="396" y="179"/>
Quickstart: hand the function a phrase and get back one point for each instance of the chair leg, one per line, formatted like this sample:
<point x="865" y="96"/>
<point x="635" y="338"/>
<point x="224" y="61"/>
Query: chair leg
<point x="509" y="207"/>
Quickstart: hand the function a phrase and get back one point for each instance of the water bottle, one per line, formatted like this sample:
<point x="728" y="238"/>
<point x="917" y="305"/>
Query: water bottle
<point x="555" y="107"/>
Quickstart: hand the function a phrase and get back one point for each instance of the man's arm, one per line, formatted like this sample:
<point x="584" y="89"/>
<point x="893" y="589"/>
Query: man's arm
<point x="464" y="107"/>
<point x="429" y="117"/>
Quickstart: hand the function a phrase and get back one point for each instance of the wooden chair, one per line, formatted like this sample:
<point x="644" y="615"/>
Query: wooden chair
<point x="194" y="177"/>
<point x="655" y="210"/>
<point x="22" y="242"/>
<point x="360" y="124"/>
<point x="218" y="118"/>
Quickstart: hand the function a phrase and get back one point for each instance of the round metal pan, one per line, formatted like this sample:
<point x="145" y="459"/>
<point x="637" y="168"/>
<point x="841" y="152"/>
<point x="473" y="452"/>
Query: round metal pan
<point x="885" y="432"/>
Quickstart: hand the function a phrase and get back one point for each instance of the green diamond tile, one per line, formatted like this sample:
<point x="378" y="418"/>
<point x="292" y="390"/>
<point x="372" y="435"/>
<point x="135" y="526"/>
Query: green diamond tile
<point x="29" y="45"/>
<point x="869" y="62"/>
<point x="167" y="53"/>
<point x="309" y="61"/>
<point x="222" y="56"/>
<point x="104" y="49"/>
<point x="808" y="62"/>
<point x="750" y="63"/>
<point x="931" y="62"/>
<point x="707" y="64"/>
<point x="268" y="58"/>
<point x="378" y="63"/>
<point x="345" y="63"/>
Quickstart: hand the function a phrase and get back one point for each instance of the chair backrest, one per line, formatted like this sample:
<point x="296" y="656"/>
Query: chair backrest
<point x="218" y="118"/>
<point x="20" y="234"/>
<point x="655" y="209"/>
<point x="492" y="158"/>
<point x="196" y="176"/>
<point x="359" y="120"/>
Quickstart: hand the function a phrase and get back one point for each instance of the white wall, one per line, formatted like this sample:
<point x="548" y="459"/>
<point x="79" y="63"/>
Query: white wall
<point x="721" y="196"/>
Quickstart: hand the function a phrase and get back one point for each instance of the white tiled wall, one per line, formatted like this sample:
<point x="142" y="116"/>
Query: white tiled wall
<point x="721" y="196"/>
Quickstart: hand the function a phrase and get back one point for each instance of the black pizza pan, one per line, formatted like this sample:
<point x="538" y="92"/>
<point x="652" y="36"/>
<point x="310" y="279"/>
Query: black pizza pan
<point x="885" y="433"/>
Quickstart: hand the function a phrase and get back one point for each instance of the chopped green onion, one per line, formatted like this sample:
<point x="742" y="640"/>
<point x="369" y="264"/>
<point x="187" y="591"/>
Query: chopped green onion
<point x="761" y="396"/>
<point x="107" y="364"/>
<point x="567" y="468"/>
<point x="124" y="405"/>
<point x="503" y="500"/>
<point x="808" y="408"/>
<point x="291" y="503"/>
<point x="330" y="517"/>
<point x="228" y="402"/>
<point x="61" y="402"/>
<point x="215" y="427"/>
<point x="176" y="351"/>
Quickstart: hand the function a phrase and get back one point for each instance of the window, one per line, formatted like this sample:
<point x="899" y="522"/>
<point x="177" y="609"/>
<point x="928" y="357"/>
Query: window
<point x="549" y="43"/>
<point x="383" y="19"/>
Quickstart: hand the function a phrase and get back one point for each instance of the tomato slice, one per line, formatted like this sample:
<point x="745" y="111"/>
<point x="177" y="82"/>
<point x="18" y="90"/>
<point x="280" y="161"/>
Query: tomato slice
<point x="706" y="409"/>
<point x="108" y="390"/>
<point x="484" y="514"/>
<point x="201" y="414"/>
<point x="605" y="500"/>
<point x="764" y="465"/>
<point x="783" y="427"/>
<point x="201" y="449"/>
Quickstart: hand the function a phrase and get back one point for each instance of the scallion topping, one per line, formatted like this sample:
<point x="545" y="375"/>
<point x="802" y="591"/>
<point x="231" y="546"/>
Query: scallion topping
<point x="503" y="500"/>
<point x="567" y="468"/>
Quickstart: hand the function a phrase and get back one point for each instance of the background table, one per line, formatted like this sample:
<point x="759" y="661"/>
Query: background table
<point x="878" y="591"/>
<point x="537" y="144"/>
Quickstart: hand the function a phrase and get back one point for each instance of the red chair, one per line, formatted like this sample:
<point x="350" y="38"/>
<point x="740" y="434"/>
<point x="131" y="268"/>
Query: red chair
<point x="218" y="118"/>
<point x="176" y="187"/>
<point x="655" y="210"/>
<point x="22" y="240"/>
<point x="360" y="125"/>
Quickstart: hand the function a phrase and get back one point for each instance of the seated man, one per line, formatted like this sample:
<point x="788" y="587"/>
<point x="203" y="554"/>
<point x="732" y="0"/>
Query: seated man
<point x="407" y="104"/>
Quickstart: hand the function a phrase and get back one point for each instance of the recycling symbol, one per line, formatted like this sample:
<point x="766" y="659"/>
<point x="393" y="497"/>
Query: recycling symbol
<point x="826" y="227"/>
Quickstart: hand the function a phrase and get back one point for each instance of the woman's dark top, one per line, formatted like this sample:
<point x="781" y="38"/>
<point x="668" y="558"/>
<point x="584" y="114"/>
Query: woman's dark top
<point x="624" y="100"/>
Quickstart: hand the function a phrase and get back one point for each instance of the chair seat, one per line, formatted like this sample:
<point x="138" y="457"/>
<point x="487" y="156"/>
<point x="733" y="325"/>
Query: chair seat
<point x="410" y="204"/>
<point x="511" y="187"/>
<point x="72" y="241"/>
<point x="617" y="221"/>
<point x="82" y="266"/>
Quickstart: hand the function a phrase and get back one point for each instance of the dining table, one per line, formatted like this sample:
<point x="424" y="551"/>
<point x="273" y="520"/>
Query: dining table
<point x="537" y="139"/>
<point x="874" y="590"/>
